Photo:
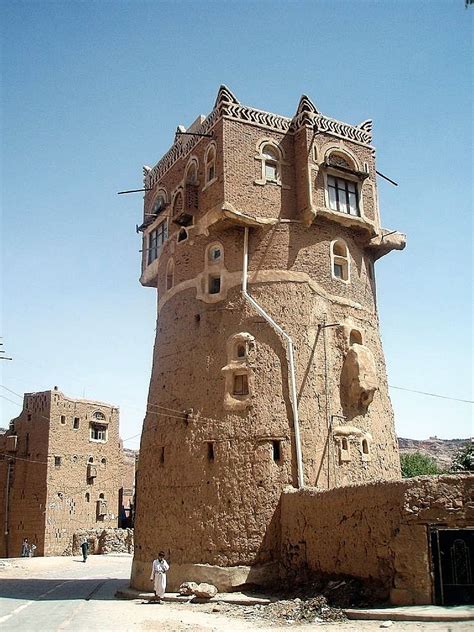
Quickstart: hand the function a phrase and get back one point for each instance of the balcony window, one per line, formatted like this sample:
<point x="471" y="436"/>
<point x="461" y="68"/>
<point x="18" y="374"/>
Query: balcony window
<point x="156" y="239"/>
<point x="343" y="196"/>
<point x="98" y="432"/>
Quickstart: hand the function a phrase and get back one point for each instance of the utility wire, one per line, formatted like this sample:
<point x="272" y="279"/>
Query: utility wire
<point x="411" y="390"/>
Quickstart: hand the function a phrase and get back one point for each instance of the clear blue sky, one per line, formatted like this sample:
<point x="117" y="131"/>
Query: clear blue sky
<point x="91" y="91"/>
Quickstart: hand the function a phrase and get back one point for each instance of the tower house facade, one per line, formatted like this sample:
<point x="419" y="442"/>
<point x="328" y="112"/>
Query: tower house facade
<point x="260" y="235"/>
<point x="61" y="471"/>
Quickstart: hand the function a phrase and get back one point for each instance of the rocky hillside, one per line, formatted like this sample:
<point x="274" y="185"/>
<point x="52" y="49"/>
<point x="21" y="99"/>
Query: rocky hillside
<point x="441" y="450"/>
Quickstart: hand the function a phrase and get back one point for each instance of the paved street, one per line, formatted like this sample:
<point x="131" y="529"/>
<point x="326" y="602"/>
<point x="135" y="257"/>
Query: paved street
<point x="63" y="593"/>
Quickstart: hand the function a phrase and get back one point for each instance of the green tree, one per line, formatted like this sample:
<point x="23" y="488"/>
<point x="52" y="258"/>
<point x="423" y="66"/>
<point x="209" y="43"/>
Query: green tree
<point x="463" y="460"/>
<point x="417" y="464"/>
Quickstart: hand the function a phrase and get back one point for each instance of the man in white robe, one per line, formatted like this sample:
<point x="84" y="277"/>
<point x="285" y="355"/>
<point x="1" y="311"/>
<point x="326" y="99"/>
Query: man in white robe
<point x="158" y="575"/>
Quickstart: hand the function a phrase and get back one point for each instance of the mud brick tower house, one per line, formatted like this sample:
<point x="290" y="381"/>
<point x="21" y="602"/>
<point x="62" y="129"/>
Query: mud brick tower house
<point x="260" y="235"/>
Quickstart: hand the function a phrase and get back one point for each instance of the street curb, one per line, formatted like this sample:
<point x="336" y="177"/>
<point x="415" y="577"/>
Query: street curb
<point x="413" y="613"/>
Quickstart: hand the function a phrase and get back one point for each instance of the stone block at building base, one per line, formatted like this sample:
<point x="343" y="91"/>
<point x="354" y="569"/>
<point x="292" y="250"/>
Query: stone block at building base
<point x="225" y="579"/>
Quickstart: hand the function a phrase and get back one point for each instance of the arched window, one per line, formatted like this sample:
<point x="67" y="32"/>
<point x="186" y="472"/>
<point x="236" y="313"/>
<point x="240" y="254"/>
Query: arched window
<point x="355" y="337"/>
<point x="340" y="261"/>
<point x="103" y="460"/>
<point x="210" y="164"/>
<point x="192" y="173"/>
<point x="241" y="351"/>
<point x="270" y="164"/>
<point x="99" y="416"/>
<point x="159" y="204"/>
<point x="170" y="274"/>
<point x="88" y="497"/>
<point x="178" y="204"/>
<point x="101" y="496"/>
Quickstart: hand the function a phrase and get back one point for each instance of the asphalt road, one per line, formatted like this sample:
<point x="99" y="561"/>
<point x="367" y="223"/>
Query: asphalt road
<point x="61" y="593"/>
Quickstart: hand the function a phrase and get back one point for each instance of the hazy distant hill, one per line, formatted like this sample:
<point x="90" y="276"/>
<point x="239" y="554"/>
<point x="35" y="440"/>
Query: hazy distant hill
<point x="441" y="450"/>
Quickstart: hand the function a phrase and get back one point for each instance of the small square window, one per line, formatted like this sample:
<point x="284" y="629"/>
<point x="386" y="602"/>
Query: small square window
<point x="241" y="384"/>
<point x="214" y="284"/>
<point x="270" y="172"/>
<point x="57" y="461"/>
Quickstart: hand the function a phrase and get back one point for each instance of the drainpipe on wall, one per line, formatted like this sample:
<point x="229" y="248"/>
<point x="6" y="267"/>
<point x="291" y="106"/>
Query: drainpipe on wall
<point x="290" y="356"/>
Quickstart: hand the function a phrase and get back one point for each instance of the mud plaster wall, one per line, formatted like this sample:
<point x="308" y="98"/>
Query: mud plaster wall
<point x="377" y="531"/>
<point x="224" y="511"/>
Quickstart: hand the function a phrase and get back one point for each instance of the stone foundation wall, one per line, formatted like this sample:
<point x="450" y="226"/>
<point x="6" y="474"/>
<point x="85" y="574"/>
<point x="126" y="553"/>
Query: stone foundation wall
<point x="102" y="541"/>
<point x="377" y="531"/>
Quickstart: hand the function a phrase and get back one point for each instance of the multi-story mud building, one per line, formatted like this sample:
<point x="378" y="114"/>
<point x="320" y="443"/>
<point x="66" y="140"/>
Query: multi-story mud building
<point x="260" y="236"/>
<point x="62" y="469"/>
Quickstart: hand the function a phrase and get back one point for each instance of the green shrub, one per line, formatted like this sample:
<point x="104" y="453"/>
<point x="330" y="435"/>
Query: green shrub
<point x="417" y="464"/>
<point x="463" y="460"/>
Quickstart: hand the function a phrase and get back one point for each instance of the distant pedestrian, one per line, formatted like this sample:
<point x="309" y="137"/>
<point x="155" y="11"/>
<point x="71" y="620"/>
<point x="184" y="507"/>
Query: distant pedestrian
<point x="25" y="548"/>
<point x="84" y="548"/>
<point x="158" y="575"/>
<point x="32" y="550"/>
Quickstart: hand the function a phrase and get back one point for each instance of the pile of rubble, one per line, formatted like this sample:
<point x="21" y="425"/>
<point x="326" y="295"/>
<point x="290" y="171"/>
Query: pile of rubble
<point x="314" y="610"/>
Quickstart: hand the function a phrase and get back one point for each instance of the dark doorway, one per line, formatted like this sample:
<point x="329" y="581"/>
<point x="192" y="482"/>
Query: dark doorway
<point x="453" y="565"/>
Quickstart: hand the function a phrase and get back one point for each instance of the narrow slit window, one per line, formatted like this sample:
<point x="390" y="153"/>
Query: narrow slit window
<point x="210" y="451"/>
<point x="75" y="423"/>
<point x="365" y="446"/>
<point x="170" y="274"/>
<point x="57" y="461"/>
<point x="276" y="450"/>
<point x="162" y="455"/>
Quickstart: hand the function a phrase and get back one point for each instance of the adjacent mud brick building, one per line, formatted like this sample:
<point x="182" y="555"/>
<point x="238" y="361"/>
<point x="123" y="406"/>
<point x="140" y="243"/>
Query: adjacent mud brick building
<point x="260" y="236"/>
<point x="62" y="469"/>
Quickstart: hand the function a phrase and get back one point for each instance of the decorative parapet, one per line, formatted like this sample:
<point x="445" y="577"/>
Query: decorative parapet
<point x="227" y="106"/>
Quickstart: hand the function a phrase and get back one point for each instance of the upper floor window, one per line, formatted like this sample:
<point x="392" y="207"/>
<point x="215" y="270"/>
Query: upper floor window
<point x="340" y="260"/>
<point x="191" y="173"/>
<point x="99" y="415"/>
<point x="98" y="432"/>
<point x="156" y="239"/>
<point x="210" y="164"/>
<point x="271" y="165"/>
<point x="343" y="196"/>
<point x="159" y="204"/>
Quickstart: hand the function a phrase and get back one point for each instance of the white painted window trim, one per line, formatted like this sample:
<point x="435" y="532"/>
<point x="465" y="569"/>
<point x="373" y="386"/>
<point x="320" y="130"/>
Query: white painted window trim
<point x="335" y="257"/>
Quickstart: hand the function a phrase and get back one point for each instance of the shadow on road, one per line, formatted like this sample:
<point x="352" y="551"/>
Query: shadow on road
<point x="100" y="588"/>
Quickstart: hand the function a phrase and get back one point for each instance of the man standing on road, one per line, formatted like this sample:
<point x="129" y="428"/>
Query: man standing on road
<point x="25" y="548"/>
<point x="158" y="575"/>
<point x="84" y="548"/>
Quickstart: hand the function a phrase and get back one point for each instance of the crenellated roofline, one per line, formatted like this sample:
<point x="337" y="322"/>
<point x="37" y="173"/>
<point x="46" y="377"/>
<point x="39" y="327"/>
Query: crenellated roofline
<point x="227" y="106"/>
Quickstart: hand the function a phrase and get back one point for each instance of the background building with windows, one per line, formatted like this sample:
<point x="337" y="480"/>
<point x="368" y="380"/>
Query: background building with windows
<point x="268" y="368"/>
<point x="62" y="470"/>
